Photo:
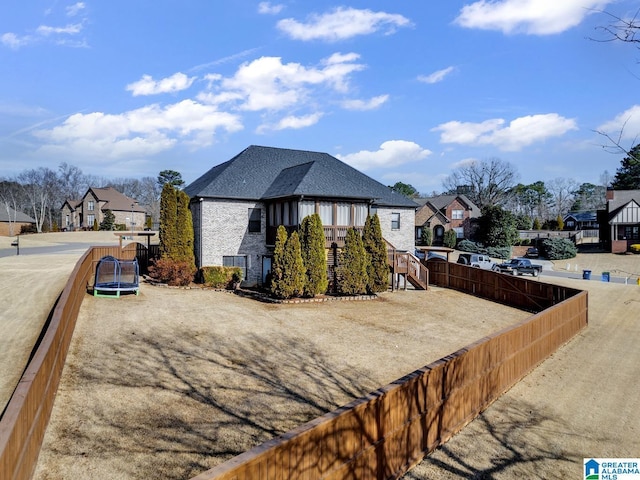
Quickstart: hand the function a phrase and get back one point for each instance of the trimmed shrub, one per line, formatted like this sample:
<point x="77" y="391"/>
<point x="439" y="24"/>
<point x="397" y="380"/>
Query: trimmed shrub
<point x="499" y="252"/>
<point x="536" y="225"/>
<point x="168" y="222"/>
<point x="219" y="277"/>
<point x="376" y="249"/>
<point x="427" y="236"/>
<point x="352" y="271"/>
<point x="173" y="272"/>
<point x="450" y="239"/>
<point x="469" y="246"/>
<point x="314" y="255"/>
<point x="278" y="264"/>
<point x="558" y="248"/>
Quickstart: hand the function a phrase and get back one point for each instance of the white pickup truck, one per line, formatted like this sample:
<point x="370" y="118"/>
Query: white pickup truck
<point x="476" y="260"/>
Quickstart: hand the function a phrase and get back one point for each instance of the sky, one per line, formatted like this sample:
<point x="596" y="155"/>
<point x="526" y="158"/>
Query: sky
<point x="403" y="91"/>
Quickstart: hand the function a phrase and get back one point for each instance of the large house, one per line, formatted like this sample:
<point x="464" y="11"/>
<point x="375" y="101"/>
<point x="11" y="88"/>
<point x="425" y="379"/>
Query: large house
<point x="238" y="205"/>
<point x="620" y="220"/>
<point x="81" y="214"/>
<point x="443" y="213"/>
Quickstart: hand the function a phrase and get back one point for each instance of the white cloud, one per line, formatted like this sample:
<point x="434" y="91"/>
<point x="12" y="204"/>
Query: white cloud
<point x="342" y="23"/>
<point x="143" y="132"/>
<point x="535" y="17"/>
<point x="269" y="84"/>
<point x="625" y="125"/>
<point x="364" y="105"/>
<point x="148" y="86"/>
<point x="266" y="8"/>
<point x="391" y="153"/>
<point x="520" y="133"/>
<point x="292" y="122"/>
<point x="437" y="76"/>
<point x="14" y="41"/>
<point x="71" y="29"/>
<point x="75" y="9"/>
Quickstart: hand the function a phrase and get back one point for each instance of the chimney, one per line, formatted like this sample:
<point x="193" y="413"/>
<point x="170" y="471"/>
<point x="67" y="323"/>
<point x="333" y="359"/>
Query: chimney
<point x="610" y="193"/>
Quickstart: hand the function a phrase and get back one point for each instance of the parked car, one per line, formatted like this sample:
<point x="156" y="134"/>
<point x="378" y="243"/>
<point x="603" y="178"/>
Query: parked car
<point x="519" y="266"/>
<point x="532" y="252"/>
<point x="476" y="260"/>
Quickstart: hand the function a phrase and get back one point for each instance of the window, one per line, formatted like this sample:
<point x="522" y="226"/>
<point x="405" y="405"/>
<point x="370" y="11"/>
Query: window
<point x="631" y="233"/>
<point x="307" y="207"/>
<point x="459" y="232"/>
<point x="360" y="214"/>
<point x="326" y="213"/>
<point x="90" y="220"/>
<point x="343" y="214"/>
<point x="90" y="205"/>
<point x="457" y="215"/>
<point x="255" y="220"/>
<point x="236" y="261"/>
<point x="66" y="221"/>
<point x="395" y="221"/>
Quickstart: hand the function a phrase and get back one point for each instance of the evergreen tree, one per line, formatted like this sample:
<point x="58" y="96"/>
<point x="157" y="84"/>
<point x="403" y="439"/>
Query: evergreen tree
<point x="278" y="263"/>
<point x="536" y="224"/>
<point x="314" y="255"/>
<point x="450" y="239"/>
<point x="427" y="236"/>
<point x="109" y="220"/>
<point x="95" y="225"/>
<point x="294" y="271"/>
<point x="184" y="226"/>
<point x="497" y="227"/>
<point x="352" y="271"/>
<point x="168" y="222"/>
<point x="628" y="175"/>
<point x="378" y="263"/>
<point x="560" y="222"/>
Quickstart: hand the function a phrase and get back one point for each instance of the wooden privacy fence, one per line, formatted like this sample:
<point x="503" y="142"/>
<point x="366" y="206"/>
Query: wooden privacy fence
<point x="383" y="434"/>
<point x="26" y="416"/>
<point x="375" y="437"/>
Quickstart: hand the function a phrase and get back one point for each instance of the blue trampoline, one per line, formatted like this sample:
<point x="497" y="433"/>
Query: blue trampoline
<point x="114" y="276"/>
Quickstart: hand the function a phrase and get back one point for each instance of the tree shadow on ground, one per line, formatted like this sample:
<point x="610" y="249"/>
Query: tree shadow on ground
<point x="506" y="441"/>
<point x="174" y="406"/>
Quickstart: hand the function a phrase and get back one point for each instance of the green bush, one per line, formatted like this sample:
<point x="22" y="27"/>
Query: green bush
<point x="219" y="277"/>
<point x="558" y="248"/>
<point x="314" y="255"/>
<point x="468" y="246"/>
<point x="499" y="252"/>
<point x="427" y="236"/>
<point x="376" y="248"/>
<point x="450" y="239"/>
<point x="352" y="272"/>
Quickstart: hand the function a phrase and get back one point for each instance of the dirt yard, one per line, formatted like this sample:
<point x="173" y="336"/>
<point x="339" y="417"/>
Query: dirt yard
<point x="174" y="381"/>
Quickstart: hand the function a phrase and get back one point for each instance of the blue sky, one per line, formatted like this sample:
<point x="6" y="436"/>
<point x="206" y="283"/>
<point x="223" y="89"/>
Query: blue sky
<point x="404" y="91"/>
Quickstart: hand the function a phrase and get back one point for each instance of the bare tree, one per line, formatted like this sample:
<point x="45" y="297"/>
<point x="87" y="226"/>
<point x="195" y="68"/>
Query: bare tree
<point x="486" y="183"/>
<point x="562" y="191"/>
<point x="12" y="201"/>
<point x="39" y="186"/>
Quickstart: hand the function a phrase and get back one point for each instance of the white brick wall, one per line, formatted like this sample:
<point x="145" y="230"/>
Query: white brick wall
<point x="224" y="231"/>
<point x="403" y="239"/>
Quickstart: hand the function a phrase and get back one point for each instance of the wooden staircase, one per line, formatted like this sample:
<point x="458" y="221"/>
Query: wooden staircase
<point x="406" y="265"/>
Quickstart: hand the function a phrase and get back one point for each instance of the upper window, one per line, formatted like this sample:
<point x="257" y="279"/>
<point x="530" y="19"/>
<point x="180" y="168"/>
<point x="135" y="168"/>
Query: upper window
<point x="457" y="214"/>
<point x="395" y="221"/>
<point x="255" y="216"/>
<point x="90" y="205"/>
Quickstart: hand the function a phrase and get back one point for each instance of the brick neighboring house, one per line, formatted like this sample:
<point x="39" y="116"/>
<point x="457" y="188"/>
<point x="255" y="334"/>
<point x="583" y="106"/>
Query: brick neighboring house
<point x="238" y="205"/>
<point x="620" y="220"/>
<point x="12" y="221"/>
<point x="443" y="213"/>
<point x="80" y="214"/>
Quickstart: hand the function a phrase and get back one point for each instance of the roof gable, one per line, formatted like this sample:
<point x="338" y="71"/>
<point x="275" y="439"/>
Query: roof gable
<point x="261" y="173"/>
<point x="629" y="213"/>
<point x="113" y="199"/>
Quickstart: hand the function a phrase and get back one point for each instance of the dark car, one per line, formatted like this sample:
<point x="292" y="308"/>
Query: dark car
<point x="532" y="252"/>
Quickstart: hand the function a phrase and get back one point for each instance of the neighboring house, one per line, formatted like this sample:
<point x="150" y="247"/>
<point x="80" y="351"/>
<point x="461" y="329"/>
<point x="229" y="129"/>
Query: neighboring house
<point x="620" y="220"/>
<point x="238" y="205"/>
<point x="581" y="221"/>
<point x="12" y="221"/>
<point x="80" y="214"/>
<point x="443" y="213"/>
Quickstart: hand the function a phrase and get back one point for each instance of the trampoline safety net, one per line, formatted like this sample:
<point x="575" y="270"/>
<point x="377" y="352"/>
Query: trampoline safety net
<point x="114" y="276"/>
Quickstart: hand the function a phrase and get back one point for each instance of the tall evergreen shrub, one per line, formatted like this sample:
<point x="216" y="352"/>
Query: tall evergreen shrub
<point x="184" y="227"/>
<point x="278" y="263"/>
<point x="168" y="222"/>
<point x="352" y="271"/>
<point x="376" y="249"/>
<point x="314" y="255"/>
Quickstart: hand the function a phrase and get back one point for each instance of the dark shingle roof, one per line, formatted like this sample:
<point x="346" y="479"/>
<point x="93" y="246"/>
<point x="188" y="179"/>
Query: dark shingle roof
<point x="12" y="215"/>
<point x="260" y="173"/>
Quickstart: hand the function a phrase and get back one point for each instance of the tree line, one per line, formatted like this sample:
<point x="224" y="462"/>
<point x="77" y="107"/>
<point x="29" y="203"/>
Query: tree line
<point x="41" y="192"/>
